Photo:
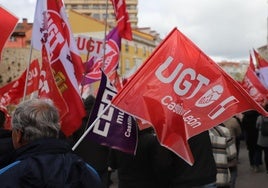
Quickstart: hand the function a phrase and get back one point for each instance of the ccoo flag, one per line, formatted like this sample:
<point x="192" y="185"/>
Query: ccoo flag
<point x="115" y="129"/>
<point x="182" y="92"/>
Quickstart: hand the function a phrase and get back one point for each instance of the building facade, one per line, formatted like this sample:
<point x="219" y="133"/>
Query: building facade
<point x="103" y="10"/>
<point x="234" y="69"/>
<point x="17" y="50"/>
<point x="21" y="37"/>
<point x="133" y="53"/>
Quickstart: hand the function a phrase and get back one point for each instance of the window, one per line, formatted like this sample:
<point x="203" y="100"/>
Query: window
<point x="12" y="39"/>
<point x="96" y="16"/>
<point x="74" y="6"/>
<point x="104" y="16"/>
<point x="144" y="51"/>
<point x="127" y="65"/>
<point x="96" y="7"/>
<point x="126" y="46"/>
<point x="136" y="49"/>
<point x="85" y="7"/>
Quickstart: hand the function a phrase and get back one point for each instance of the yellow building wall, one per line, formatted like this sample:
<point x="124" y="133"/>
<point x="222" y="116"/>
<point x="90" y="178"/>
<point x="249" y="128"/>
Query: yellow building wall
<point x="82" y="23"/>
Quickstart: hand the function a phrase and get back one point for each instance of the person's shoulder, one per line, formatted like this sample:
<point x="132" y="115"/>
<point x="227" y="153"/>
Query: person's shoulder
<point x="86" y="174"/>
<point x="221" y="131"/>
<point x="4" y="133"/>
<point x="8" y="167"/>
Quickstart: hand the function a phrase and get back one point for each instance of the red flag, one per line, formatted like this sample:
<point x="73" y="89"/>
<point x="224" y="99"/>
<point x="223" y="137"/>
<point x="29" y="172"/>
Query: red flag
<point x="261" y="62"/>
<point x="48" y="87"/>
<point x="182" y="92"/>
<point x="7" y="24"/>
<point x="262" y="65"/>
<point x="116" y="80"/>
<point x="33" y="77"/>
<point x="11" y="93"/>
<point x="252" y="84"/>
<point x="122" y="18"/>
<point x="14" y="91"/>
<point x="251" y="65"/>
<point x="52" y="28"/>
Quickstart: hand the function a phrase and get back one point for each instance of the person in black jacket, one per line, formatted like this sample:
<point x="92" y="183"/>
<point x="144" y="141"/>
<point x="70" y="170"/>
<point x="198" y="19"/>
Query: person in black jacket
<point x="6" y="146"/>
<point x="203" y="172"/>
<point x="148" y="168"/>
<point x="92" y="152"/>
<point x="251" y="136"/>
<point x="41" y="159"/>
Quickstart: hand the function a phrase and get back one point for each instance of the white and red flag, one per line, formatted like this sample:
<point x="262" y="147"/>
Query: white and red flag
<point x="253" y="85"/>
<point x="122" y="18"/>
<point x="8" y="21"/>
<point x="182" y="92"/>
<point x="51" y="27"/>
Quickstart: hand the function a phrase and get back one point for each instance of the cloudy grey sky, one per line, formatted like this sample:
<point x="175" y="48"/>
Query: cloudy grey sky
<point x="223" y="29"/>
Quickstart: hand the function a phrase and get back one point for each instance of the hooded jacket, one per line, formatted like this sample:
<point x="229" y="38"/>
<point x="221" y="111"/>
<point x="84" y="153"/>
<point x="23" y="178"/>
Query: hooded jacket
<point x="6" y="146"/>
<point x="48" y="163"/>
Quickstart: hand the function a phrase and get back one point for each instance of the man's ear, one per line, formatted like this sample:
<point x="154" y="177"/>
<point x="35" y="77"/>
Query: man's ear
<point x="17" y="138"/>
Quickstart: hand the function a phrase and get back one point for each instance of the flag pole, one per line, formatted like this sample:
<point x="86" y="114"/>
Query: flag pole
<point x="104" y="44"/>
<point x="90" y="127"/>
<point x="27" y="72"/>
<point x="104" y="40"/>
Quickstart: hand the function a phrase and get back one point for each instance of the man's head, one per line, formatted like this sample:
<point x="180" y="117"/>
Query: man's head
<point x="34" y="119"/>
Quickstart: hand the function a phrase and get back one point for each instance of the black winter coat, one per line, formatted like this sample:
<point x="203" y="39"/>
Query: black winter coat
<point x="251" y="132"/>
<point x="6" y="146"/>
<point x="203" y="170"/>
<point x="148" y="168"/>
<point x="48" y="163"/>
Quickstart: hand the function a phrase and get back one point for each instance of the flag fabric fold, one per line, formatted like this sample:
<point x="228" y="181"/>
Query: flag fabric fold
<point x="122" y="18"/>
<point x="107" y="62"/>
<point x="182" y="92"/>
<point x="8" y="21"/>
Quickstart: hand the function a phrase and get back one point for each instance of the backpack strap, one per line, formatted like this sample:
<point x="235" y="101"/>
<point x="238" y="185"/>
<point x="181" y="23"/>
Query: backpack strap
<point x="8" y="167"/>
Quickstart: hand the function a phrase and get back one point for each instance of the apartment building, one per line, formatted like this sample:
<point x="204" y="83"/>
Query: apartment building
<point x="103" y="10"/>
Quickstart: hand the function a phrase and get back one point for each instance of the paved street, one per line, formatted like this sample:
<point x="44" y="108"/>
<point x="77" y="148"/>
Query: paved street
<point x="246" y="177"/>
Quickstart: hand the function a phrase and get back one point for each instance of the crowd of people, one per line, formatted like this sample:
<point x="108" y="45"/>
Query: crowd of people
<point x="34" y="153"/>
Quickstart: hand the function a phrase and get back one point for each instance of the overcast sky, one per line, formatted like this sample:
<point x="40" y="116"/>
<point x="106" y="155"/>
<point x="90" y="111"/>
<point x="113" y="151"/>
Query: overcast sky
<point x="223" y="29"/>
